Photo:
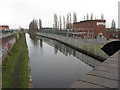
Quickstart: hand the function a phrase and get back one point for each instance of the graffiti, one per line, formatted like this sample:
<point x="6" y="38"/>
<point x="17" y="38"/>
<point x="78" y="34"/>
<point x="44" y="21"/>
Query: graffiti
<point x="6" y="47"/>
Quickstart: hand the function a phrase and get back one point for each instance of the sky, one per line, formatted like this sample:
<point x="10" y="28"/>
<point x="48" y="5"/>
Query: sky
<point x="16" y="13"/>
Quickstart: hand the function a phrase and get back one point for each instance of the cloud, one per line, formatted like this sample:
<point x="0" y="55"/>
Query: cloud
<point x="21" y="12"/>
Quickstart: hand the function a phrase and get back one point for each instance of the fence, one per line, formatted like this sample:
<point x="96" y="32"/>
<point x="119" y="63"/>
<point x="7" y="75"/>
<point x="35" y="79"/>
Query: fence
<point x="91" y="45"/>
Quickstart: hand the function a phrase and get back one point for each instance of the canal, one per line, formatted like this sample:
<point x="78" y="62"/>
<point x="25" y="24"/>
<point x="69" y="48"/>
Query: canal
<point x="55" y="65"/>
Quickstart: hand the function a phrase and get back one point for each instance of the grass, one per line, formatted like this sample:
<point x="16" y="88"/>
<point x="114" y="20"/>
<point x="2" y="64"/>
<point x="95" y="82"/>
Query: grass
<point x="9" y="65"/>
<point x="0" y="75"/>
<point x="24" y="70"/>
<point x="96" y="49"/>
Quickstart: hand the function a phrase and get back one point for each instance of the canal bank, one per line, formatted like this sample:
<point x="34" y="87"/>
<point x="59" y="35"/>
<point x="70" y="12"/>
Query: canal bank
<point x="15" y="67"/>
<point x="73" y="44"/>
<point x="104" y="75"/>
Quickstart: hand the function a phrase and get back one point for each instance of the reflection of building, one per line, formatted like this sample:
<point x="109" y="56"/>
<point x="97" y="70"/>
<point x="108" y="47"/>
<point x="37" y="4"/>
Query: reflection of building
<point x="4" y="27"/>
<point x="59" y="47"/>
<point x="119" y="14"/>
<point x="90" y="28"/>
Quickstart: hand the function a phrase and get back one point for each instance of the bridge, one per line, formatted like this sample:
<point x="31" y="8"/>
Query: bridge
<point x="103" y="76"/>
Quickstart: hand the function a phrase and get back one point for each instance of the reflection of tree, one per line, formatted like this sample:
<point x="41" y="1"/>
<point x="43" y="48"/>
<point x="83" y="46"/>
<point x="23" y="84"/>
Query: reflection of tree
<point x="70" y="51"/>
<point x="55" y="50"/>
<point x="41" y="43"/>
<point x="34" y="41"/>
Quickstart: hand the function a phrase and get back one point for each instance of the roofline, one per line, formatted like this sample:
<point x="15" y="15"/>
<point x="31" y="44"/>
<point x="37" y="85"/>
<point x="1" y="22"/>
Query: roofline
<point x="4" y="25"/>
<point x="90" y="21"/>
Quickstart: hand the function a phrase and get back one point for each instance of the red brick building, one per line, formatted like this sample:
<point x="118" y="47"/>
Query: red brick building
<point x="90" y="28"/>
<point x="4" y="27"/>
<point x="112" y="34"/>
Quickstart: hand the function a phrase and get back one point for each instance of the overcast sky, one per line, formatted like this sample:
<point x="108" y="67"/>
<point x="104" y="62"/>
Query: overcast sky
<point x="17" y="13"/>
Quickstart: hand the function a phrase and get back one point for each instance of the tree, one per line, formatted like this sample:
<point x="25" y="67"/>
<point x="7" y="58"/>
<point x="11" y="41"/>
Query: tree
<point x="70" y="21"/>
<point x="55" y="25"/>
<point x="60" y="22"/>
<point x="102" y="17"/>
<point x="87" y="16"/>
<point x="33" y="27"/>
<point x="84" y="18"/>
<point x="67" y="22"/>
<point x="40" y="24"/>
<point x="113" y="25"/>
<point x="35" y="24"/>
<point x="74" y="17"/>
<point x="91" y="16"/>
<point x="64" y="23"/>
<point x="58" y="25"/>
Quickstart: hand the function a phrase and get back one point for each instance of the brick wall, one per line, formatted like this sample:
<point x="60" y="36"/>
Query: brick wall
<point x="90" y="27"/>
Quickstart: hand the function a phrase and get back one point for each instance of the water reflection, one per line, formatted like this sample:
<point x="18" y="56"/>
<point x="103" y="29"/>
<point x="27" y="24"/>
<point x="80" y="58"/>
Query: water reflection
<point x="54" y="65"/>
<point x="41" y="43"/>
<point x="67" y="51"/>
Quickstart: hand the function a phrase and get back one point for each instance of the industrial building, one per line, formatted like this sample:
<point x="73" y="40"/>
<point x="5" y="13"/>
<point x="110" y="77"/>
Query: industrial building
<point x="90" y="28"/>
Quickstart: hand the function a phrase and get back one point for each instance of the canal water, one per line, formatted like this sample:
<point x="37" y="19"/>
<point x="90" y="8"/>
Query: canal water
<point x="55" y="65"/>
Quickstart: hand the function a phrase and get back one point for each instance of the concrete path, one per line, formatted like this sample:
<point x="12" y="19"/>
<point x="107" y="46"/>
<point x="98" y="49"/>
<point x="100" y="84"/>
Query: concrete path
<point x="103" y="76"/>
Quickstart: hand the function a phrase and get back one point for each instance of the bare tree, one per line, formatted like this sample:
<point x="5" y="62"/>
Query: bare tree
<point x="102" y="17"/>
<point x="74" y="17"/>
<point x="55" y="25"/>
<point x="40" y="24"/>
<point x="84" y="18"/>
<point x="33" y="27"/>
<point x="67" y="22"/>
<point x="95" y="18"/>
<point x="70" y="21"/>
<point x="64" y="23"/>
<point x="60" y="22"/>
<point x="35" y="24"/>
<point x="91" y="16"/>
<point x="113" y="25"/>
<point x="87" y="16"/>
<point x="58" y="25"/>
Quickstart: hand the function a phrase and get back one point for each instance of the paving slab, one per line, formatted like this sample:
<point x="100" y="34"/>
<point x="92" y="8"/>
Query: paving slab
<point x="108" y="83"/>
<point x="113" y="76"/>
<point x="107" y="69"/>
<point x="81" y="84"/>
<point x="111" y="61"/>
<point x="110" y="65"/>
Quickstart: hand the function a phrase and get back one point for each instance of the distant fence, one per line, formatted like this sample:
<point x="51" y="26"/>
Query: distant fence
<point x="52" y="31"/>
<point x="71" y="34"/>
